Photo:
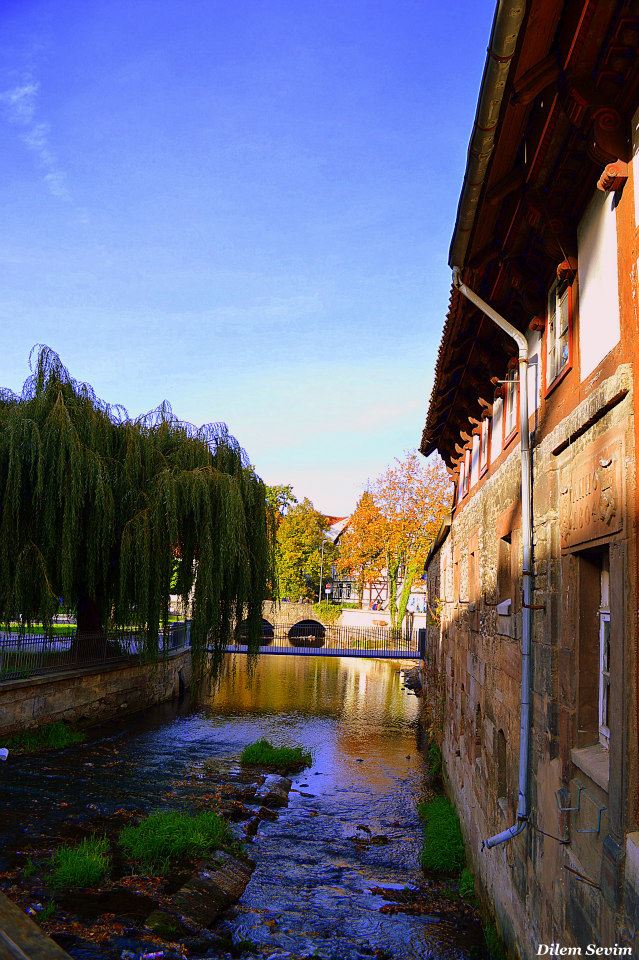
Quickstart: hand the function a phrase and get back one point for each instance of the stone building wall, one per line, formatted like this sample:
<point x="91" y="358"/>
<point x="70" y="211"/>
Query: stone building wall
<point x="92" y="696"/>
<point x="544" y="890"/>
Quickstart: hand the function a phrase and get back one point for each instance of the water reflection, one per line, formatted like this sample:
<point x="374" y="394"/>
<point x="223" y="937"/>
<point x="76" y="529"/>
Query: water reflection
<point x="311" y="893"/>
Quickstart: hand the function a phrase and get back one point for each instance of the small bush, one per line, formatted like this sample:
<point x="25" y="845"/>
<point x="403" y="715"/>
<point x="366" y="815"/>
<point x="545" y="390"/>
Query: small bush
<point x="434" y="761"/>
<point x="166" y="836"/>
<point x="84" y="865"/>
<point x="443" y="847"/>
<point x="327" y="612"/>
<point x="263" y="754"/>
<point x="53" y="736"/>
<point x="466" y="884"/>
<point x="494" y="943"/>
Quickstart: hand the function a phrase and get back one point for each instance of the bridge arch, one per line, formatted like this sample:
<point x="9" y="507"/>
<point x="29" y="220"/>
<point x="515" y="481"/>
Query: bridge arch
<point x="268" y="632"/>
<point x="307" y="633"/>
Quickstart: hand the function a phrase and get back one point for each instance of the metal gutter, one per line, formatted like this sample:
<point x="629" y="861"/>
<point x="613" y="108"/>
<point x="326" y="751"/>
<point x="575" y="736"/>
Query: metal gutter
<point x="527" y="565"/>
<point x="508" y="19"/>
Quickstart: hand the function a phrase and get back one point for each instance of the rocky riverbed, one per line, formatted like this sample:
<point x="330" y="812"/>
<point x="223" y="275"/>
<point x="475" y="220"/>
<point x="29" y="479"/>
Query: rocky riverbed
<point x="329" y="861"/>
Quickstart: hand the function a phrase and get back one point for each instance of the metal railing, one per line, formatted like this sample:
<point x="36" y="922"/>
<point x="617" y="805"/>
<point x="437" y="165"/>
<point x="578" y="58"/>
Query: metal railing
<point x="313" y="638"/>
<point x="25" y="655"/>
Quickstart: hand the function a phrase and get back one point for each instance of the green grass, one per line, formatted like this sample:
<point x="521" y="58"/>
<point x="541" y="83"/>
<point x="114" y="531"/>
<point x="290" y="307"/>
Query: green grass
<point x="263" y="754"/>
<point x="443" y="846"/>
<point x="166" y="836"/>
<point x="47" y="912"/>
<point x="53" y="736"/>
<point x="85" y="865"/>
<point x="37" y="629"/>
<point x="466" y="884"/>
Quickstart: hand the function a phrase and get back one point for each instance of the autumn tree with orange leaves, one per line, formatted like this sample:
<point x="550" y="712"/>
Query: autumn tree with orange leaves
<point x="393" y="527"/>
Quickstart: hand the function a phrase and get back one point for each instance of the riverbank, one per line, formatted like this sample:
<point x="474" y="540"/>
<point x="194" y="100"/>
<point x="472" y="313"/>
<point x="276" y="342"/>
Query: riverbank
<point x="337" y="872"/>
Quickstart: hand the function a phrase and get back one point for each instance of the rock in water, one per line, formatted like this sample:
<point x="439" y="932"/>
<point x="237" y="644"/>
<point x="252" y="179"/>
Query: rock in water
<point x="274" y="791"/>
<point x="205" y="896"/>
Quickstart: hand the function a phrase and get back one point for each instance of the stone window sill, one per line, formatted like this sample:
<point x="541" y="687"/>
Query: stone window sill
<point x="594" y="761"/>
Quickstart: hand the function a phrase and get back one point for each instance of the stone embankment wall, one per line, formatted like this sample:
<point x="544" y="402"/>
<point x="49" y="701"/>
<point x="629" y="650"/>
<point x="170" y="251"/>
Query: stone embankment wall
<point x="92" y="696"/>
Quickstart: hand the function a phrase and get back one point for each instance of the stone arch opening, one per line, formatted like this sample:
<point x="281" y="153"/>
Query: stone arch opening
<point x="268" y="633"/>
<point x="307" y="633"/>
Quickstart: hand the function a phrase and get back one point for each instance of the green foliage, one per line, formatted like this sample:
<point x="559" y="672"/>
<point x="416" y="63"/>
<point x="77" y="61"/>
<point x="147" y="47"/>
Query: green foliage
<point x="299" y="552"/>
<point x="327" y="612"/>
<point x="494" y="943"/>
<point x="53" y="736"/>
<point x="47" y="912"/>
<point x="29" y="869"/>
<point x="95" y="507"/>
<point x="443" y="846"/>
<point x="166" y="836"/>
<point x="434" y="762"/>
<point x="280" y="497"/>
<point x="262" y="753"/>
<point x="466" y="884"/>
<point x="84" y="865"/>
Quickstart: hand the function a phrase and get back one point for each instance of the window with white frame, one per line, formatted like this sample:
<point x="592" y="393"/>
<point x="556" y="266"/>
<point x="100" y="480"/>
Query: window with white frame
<point x="484" y="438"/>
<point x="604" y="654"/>
<point x="466" y="485"/>
<point x="510" y="402"/>
<point x="461" y="482"/>
<point x="558" y="330"/>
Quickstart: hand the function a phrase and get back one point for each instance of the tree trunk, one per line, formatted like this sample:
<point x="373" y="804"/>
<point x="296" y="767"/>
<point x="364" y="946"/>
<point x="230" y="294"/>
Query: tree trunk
<point x="392" y="570"/>
<point x="90" y="639"/>
<point x="409" y="576"/>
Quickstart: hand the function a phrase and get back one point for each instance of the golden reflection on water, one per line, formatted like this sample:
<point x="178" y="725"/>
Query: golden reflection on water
<point x="372" y="735"/>
<point x="357" y="689"/>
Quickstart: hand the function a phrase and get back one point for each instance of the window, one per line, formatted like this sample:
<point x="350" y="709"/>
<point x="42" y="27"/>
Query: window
<point x="484" y="438"/>
<point x="511" y="404"/>
<point x="504" y="574"/>
<point x="464" y="476"/>
<point x="466" y="473"/>
<point x="604" y="654"/>
<point x="558" y="330"/>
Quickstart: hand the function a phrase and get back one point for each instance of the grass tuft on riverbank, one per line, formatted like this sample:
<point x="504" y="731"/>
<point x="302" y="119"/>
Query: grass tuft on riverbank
<point x="80" y="866"/>
<point x="164" y="837"/>
<point x="53" y="736"/>
<point x="443" y="846"/>
<point x="263" y="754"/>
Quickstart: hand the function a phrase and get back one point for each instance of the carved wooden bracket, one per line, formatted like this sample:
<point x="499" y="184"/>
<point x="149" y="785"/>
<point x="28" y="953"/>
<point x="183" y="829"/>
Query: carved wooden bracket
<point x="611" y="138"/>
<point x="537" y="323"/>
<point x="613" y="177"/>
<point x="533" y="81"/>
<point x="567" y="269"/>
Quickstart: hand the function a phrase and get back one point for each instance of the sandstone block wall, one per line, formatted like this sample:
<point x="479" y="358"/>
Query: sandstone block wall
<point x="536" y="883"/>
<point x="92" y="695"/>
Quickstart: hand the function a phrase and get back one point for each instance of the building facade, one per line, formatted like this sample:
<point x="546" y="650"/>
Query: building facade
<point x="547" y="234"/>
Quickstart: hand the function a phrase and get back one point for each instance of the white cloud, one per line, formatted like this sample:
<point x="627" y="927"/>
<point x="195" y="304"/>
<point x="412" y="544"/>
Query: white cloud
<point x="20" y="109"/>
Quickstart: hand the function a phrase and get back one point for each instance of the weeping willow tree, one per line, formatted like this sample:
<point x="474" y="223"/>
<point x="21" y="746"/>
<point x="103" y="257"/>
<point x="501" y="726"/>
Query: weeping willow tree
<point x="101" y="510"/>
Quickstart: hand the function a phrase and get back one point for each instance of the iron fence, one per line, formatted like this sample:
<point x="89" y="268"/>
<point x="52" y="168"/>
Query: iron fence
<point x="313" y="638"/>
<point x="25" y="655"/>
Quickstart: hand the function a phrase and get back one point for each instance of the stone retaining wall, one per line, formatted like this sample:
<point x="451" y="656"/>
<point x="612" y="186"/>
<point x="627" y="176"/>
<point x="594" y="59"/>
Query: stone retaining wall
<point x="92" y="695"/>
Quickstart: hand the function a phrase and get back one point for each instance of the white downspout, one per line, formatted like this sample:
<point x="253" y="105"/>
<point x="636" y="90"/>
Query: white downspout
<point x="527" y="567"/>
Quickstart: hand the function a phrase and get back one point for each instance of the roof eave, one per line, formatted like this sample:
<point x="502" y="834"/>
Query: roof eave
<point x="509" y="17"/>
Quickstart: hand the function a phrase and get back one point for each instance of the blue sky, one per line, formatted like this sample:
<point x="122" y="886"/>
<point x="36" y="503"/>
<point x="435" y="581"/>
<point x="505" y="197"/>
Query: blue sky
<point x="242" y="207"/>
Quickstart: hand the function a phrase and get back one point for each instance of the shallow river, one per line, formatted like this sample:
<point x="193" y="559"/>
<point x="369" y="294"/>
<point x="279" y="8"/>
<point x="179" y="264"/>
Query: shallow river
<point x="311" y="894"/>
